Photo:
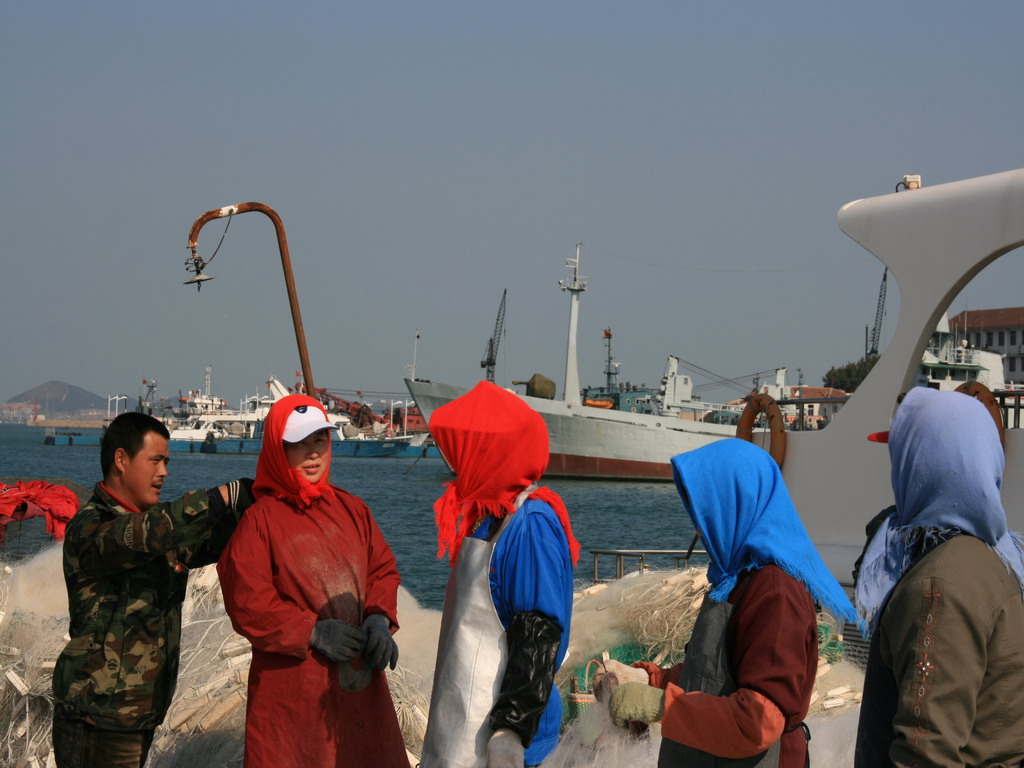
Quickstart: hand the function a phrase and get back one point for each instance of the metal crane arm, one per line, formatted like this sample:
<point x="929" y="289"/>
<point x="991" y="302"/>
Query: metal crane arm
<point x="491" y="350"/>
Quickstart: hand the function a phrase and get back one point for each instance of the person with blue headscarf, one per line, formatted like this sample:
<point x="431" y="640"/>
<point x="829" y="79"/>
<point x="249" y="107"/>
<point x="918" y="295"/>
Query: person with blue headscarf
<point x="941" y="595"/>
<point x="740" y="696"/>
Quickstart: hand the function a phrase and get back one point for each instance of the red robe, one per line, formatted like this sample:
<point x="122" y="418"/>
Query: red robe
<point x="773" y="645"/>
<point x="282" y="570"/>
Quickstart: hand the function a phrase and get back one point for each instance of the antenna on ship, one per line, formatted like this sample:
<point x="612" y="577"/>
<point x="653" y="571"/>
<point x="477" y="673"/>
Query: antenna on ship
<point x="611" y="368"/>
<point x="575" y="286"/>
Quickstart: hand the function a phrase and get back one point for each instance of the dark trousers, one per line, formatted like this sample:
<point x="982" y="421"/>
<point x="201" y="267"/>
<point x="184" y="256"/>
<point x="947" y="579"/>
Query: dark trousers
<point x="77" y="744"/>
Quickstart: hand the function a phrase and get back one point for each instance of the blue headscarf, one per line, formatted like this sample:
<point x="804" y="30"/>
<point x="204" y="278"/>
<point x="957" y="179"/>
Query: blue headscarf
<point x="737" y="498"/>
<point x="947" y="469"/>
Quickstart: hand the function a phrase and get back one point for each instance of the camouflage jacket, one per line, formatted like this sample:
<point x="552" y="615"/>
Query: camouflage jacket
<point x="126" y="574"/>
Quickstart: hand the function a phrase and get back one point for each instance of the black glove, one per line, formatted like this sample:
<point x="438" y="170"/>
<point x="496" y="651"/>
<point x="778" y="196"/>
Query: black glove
<point x="533" y="641"/>
<point x="337" y="640"/>
<point x="381" y="648"/>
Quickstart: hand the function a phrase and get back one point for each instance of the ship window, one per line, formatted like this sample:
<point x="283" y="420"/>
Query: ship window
<point x="1002" y="338"/>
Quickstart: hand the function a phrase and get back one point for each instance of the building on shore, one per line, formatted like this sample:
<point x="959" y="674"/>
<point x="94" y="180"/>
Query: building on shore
<point x="996" y="330"/>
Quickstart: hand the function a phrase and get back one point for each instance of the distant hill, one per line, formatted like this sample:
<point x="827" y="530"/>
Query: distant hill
<point x="60" y="397"/>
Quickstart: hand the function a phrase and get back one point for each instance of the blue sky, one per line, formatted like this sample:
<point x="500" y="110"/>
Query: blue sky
<point x="426" y="156"/>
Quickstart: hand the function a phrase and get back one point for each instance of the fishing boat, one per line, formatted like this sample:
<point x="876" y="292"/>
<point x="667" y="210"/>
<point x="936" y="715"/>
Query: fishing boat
<point x="622" y="433"/>
<point x="223" y="432"/>
<point x="207" y="421"/>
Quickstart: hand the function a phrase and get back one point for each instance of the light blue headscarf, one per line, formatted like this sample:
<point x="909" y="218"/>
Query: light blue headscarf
<point x="947" y="469"/>
<point x="736" y="496"/>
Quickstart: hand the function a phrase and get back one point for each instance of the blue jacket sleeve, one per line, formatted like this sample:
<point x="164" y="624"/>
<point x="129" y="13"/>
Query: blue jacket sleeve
<point x="531" y="569"/>
<point x="531" y="586"/>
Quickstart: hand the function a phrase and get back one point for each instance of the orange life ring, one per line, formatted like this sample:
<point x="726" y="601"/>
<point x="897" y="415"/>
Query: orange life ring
<point x="758" y="404"/>
<point x="984" y="395"/>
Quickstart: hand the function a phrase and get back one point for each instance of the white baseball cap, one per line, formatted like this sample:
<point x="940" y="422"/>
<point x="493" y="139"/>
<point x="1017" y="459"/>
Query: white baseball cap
<point x="303" y="422"/>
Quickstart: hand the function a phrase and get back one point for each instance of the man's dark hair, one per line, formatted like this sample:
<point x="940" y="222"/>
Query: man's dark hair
<point x="128" y="431"/>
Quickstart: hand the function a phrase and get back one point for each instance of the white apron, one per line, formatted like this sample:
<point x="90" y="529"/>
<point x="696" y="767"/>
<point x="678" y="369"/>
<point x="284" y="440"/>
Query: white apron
<point x="471" y="659"/>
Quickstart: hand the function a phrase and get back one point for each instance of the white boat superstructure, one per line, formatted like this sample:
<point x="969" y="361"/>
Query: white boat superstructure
<point x="934" y="241"/>
<point x="600" y="442"/>
<point x="210" y="420"/>
<point x="949" y="361"/>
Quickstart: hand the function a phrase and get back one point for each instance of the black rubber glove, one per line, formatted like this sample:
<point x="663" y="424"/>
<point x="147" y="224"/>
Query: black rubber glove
<point x="533" y="641"/>
<point x="381" y="648"/>
<point x="337" y="640"/>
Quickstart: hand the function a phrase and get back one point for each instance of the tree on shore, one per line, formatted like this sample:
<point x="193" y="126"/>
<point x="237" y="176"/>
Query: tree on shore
<point x="848" y="377"/>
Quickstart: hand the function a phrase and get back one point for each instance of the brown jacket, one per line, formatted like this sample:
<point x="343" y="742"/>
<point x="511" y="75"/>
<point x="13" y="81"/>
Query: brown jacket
<point x="952" y="637"/>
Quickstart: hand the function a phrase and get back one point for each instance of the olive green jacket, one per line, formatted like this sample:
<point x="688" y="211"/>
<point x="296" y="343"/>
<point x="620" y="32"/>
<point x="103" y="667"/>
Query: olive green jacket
<point x="126" y="574"/>
<point x="951" y="636"/>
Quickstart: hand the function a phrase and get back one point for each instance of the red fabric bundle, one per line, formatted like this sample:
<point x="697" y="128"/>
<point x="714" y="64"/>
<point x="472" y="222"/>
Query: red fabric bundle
<point x="32" y="498"/>
<point x="497" y="446"/>
<point x="273" y="475"/>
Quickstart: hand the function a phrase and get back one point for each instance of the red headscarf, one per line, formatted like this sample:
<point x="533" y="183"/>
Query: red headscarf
<point x="273" y="475"/>
<point x="497" y="446"/>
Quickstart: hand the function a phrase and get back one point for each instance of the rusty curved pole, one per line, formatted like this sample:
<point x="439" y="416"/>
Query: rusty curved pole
<point x="286" y="263"/>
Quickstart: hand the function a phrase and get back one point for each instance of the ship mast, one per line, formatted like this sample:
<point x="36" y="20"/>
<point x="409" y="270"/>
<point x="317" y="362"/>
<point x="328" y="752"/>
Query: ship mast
<point x="575" y="286"/>
<point x="611" y="368"/>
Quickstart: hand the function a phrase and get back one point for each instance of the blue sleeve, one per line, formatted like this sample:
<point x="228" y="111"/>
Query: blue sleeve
<point x="531" y="569"/>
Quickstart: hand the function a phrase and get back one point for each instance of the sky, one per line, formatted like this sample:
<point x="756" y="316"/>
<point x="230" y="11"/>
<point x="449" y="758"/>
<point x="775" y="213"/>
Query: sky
<point x="426" y="156"/>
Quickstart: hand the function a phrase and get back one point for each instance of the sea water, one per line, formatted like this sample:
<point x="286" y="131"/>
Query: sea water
<point x="399" y="491"/>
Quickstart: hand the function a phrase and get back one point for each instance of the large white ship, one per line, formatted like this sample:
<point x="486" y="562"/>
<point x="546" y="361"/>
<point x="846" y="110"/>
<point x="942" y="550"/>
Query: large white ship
<point x="601" y="442"/>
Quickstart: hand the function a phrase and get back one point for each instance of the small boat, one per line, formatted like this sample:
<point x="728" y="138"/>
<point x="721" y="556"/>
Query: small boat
<point x="218" y="430"/>
<point x="208" y="421"/>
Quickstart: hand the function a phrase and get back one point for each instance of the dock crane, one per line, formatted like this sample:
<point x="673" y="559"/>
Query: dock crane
<point x="491" y="350"/>
<point x="876" y="332"/>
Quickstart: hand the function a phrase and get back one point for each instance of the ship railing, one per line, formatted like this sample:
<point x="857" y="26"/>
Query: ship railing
<point x="1009" y="401"/>
<point x="643" y="557"/>
<point x="1010" y="405"/>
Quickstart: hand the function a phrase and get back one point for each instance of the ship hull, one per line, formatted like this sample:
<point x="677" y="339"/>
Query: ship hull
<point x="597" y="443"/>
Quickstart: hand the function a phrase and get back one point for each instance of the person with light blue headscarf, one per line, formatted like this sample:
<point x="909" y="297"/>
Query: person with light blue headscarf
<point x="740" y="696"/>
<point x="941" y="595"/>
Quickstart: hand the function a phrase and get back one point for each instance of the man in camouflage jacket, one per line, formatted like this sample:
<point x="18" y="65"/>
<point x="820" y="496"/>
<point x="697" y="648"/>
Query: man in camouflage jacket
<point x="126" y="564"/>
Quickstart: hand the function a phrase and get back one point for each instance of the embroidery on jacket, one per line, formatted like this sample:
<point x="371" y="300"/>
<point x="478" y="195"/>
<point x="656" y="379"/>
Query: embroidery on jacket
<point x="924" y="669"/>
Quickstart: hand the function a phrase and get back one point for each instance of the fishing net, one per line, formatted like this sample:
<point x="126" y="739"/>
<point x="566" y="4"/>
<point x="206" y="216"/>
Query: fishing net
<point x="205" y="725"/>
<point x="645" y="616"/>
<point x="650" y="616"/>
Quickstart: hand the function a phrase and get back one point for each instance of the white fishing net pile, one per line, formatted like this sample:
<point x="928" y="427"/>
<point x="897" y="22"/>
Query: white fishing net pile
<point x="205" y="724"/>
<point x="33" y="623"/>
<point x="652" y="613"/>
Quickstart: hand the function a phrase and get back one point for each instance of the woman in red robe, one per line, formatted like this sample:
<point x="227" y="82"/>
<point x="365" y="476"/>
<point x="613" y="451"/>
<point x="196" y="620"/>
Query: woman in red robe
<point x="310" y="581"/>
